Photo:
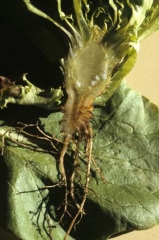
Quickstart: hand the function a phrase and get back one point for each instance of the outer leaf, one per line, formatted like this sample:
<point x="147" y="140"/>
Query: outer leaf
<point x="126" y="151"/>
<point x="28" y="209"/>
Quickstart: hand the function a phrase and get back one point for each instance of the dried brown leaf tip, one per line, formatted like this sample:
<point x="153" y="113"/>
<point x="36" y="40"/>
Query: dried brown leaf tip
<point x="8" y="88"/>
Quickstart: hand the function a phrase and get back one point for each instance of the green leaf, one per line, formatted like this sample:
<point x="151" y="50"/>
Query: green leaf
<point x="125" y="149"/>
<point x="28" y="208"/>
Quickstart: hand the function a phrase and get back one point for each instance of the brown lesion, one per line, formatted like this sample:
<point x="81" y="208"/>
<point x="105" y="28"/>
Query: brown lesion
<point x="8" y="88"/>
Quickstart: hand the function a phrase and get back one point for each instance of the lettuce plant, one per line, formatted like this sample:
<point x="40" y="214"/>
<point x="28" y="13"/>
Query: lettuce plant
<point x="90" y="178"/>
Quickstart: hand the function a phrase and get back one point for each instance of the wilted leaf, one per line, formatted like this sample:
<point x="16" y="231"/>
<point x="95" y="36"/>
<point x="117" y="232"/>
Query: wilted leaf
<point x="28" y="95"/>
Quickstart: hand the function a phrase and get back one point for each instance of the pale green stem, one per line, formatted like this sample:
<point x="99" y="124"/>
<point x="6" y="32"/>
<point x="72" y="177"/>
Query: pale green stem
<point x="83" y="26"/>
